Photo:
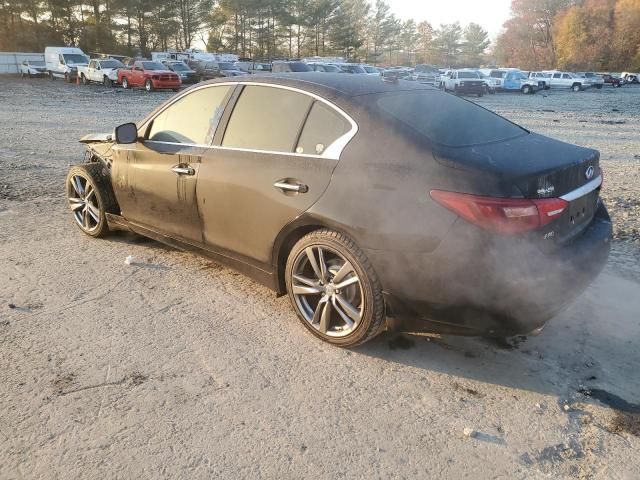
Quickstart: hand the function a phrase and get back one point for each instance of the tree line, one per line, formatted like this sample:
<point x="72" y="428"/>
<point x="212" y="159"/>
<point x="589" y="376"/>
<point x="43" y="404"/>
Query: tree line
<point x="577" y="35"/>
<point x="358" y="30"/>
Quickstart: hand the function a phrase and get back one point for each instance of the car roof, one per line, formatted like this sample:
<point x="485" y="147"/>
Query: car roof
<point x="331" y="84"/>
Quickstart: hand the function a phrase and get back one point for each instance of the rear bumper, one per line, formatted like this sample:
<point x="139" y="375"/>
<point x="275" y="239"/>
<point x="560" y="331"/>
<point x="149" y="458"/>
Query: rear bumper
<point x="473" y="287"/>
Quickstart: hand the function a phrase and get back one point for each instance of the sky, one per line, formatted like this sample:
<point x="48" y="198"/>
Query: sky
<point x="491" y="14"/>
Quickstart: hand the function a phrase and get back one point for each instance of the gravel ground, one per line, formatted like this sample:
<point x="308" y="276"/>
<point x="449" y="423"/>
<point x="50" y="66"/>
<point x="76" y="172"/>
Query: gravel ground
<point x="175" y="367"/>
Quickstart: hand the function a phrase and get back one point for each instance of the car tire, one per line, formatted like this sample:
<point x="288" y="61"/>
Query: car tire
<point x="176" y="89"/>
<point x="106" y="81"/>
<point x="125" y="83"/>
<point x="90" y="197"/>
<point x="148" y="85"/>
<point x="51" y="76"/>
<point x="345" y="311"/>
<point x="480" y="94"/>
<point x="577" y="87"/>
<point x="526" y="89"/>
<point x="84" y="80"/>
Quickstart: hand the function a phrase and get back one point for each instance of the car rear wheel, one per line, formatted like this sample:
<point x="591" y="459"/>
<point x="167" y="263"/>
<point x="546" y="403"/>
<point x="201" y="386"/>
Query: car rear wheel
<point x="51" y="77"/>
<point x="90" y="197"/>
<point x="576" y="87"/>
<point x="526" y="89"/>
<point x="148" y="85"/>
<point x="125" y="83"/>
<point x="334" y="289"/>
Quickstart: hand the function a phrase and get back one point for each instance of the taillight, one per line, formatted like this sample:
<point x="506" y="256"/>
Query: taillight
<point x="508" y="216"/>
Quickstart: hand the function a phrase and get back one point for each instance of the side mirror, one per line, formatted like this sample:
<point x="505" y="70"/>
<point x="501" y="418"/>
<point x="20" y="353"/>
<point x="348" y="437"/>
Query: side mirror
<point x="127" y="133"/>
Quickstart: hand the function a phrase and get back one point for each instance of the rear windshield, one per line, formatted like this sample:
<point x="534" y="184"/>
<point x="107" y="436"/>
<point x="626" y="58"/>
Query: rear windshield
<point x="111" y="64"/>
<point x="447" y="119"/>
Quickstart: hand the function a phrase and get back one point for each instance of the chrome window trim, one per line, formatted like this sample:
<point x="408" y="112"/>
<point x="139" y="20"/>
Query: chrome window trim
<point x="583" y="190"/>
<point x="333" y="152"/>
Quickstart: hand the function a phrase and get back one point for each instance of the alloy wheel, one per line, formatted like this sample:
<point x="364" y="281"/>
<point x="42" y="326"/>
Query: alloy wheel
<point x="327" y="291"/>
<point x="84" y="203"/>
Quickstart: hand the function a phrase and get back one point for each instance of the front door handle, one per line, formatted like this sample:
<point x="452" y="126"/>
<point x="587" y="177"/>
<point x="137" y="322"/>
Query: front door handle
<point x="291" y="187"/>
<point x="183" y="170"/>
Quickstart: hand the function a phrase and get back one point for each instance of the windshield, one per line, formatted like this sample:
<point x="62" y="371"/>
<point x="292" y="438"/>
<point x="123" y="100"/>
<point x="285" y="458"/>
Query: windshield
<point x="468" y="75"/>
<point x="448" y="120"/>
<point x="300" y="67"/>
<point x="36" y="63"/>
<point x="330" y="68"/>
<point x="498" y="74"/>
<point x="74" y="58"/>
<point x="180" y="67"/>
<point x="371" y="69"/>
<point x="153" y="66"/>
<point x="111" y="64"/>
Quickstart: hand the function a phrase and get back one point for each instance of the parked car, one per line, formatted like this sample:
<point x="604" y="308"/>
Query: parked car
<point x="485" y="227"/>
<point x="281" y="66"/>
<point x="491" y="84"/>
<point x="100" y="70"/>
<point x="464" y="82"/>
<point x="539" y="77"/>
<point x="150" y="75"/>
<point x="596" y="80"/>
<point x="63" y="62"/>
<point x="613" y="80"/>
<point x="371" y="70"/>
<point x="254" y="67"/>
<point x="516" y="81"/>
<point x="325" y="67"/>
<point x="427" y="74"/>
<point x="186" y="74"/>
<point x="354" y="68"/>
<point x="33" y="68"/>
<point x="567" y="80"/>
<point x="630" y="77"/>
<point x="210" y="70"/>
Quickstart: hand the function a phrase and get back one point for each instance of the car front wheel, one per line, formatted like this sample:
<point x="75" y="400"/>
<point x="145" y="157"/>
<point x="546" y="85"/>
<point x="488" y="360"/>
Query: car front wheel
<point x="148" y="86"/>
<point x="334" y="289"/>
<point x="90" y="197"/>
<point x="125" y="83"/>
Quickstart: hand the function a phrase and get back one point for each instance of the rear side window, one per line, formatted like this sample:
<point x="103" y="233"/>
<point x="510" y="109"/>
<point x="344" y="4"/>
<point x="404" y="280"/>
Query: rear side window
<point x="192" y="119"/>
<point x="266" y="118"/>
<point x="323" y="127"/>
<point x="448" y="120"/>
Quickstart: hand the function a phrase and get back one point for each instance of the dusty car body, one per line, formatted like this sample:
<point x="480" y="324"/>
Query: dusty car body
<point x="484" y="228"/>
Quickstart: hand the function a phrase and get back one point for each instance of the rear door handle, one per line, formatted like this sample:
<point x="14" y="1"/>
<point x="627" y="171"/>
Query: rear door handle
<point x="291" y="187"/>
<point x="183" y="170"/>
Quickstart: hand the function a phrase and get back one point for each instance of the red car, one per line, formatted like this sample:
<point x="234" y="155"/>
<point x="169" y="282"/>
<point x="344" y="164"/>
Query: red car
<point x="150" y="75"/>
<point x="613" y="81"/>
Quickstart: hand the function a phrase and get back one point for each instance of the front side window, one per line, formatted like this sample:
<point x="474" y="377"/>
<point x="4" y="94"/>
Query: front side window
<point x="266" y="118"/>
<point x="557" y="75"/>
<point x="193" y="119"/>
<point x="323" y="127"/>
<point x="566" y="76"/>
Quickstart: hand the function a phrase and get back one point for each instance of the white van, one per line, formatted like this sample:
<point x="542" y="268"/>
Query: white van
<point x="62" y="62"/>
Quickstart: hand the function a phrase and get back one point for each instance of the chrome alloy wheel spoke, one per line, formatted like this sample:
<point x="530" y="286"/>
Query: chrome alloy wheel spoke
<point x="327" y="291"/>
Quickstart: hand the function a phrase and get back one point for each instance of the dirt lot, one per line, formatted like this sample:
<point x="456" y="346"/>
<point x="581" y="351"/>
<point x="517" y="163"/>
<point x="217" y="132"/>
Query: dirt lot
<point x="175" y="367"/>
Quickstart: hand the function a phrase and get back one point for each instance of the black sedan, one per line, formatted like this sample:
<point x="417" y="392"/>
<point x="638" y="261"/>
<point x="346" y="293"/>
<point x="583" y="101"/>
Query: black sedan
<point x="372" y="203"/>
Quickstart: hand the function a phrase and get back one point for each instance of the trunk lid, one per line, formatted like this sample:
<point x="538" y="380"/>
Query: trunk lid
<point x="540" y="167"/>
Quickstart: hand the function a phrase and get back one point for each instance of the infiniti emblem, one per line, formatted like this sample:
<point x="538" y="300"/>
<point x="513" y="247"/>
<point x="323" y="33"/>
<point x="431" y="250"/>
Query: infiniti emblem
<point x="589" y="172"/>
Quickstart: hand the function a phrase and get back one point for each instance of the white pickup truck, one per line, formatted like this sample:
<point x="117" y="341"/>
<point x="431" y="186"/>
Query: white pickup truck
<point x="101" y="70"/>
<point x="567" y="80"/>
